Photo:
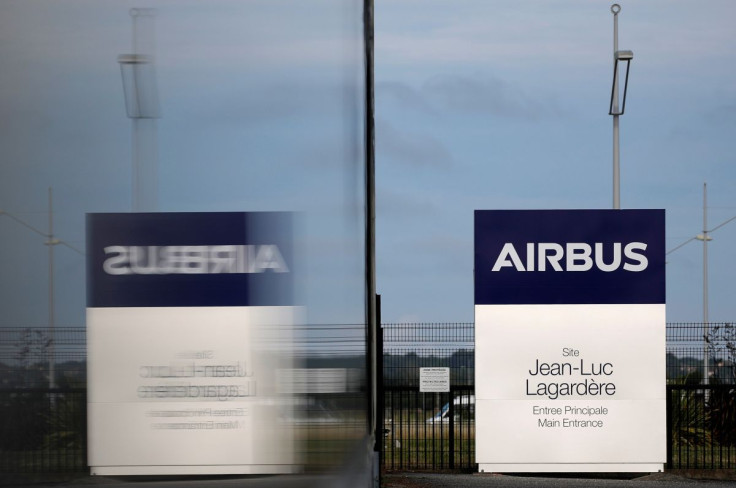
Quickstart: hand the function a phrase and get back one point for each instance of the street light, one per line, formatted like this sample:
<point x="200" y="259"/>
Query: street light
<point x="613" y="109"/>
<point x="619" y="57"/>
<point x="139" y="86"/>
<point x="706" y="327"/>
<point x="142" y="107"/>
<point x="51" y="241"/>
<point x="705" y="238"/>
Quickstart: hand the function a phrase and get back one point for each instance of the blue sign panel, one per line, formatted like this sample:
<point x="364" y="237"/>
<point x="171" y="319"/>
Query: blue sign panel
<point x="569" y="257"/>
<point x="189" y="259"/>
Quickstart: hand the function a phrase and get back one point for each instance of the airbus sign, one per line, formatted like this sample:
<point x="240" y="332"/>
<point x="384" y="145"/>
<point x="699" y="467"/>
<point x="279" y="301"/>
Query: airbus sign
<point x="566" y="256"/>
<point x="576" y="256"/>
<point x="569" y="340"/>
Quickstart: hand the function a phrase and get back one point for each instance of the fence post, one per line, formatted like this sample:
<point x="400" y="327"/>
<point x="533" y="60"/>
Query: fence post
<point x="381" y="400"/>
<point x="670" y="436"/>
<point x="451" y="434"/>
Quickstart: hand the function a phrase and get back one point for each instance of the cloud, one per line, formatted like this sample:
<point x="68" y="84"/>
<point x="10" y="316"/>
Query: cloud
<point x="243" y="102"/>
<point x="399" y="205"/>
<point x="491" y="33"/>
<point x="724" y="115"/>
<point x="410" y="148"/>
<point x="463" y="94"/>
<point x="483" y="95"/>
<point x="402" y="96"/>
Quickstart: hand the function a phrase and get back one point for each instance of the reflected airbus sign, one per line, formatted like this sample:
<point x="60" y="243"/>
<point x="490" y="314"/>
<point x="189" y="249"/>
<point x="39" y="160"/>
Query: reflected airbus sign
<point x="190" y="259"/>
<point x="188" y="318"/>
<point x="193" y="259"/>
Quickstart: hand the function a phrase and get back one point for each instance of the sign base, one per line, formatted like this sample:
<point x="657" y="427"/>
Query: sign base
<point x="193" y="470"/>
<point x="572" y="468"/>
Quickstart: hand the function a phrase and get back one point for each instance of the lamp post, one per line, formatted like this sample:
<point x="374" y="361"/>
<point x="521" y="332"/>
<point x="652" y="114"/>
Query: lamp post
<point x="141" y="105"/>
<point x="614" y="109"/>
<point x="706" y="328"/>
<point x="705" y="238"/>
<point x="50" y="241"/>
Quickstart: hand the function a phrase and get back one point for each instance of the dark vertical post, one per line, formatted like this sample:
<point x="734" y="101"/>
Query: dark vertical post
<point x="402" y="444"/>
<point x="451" y="434"/>
<point x="424" y="428"/>
<point x="85" y="434"/>
<point x="442" y="434"/>
<point x="370" y="238"/>
<point x="669" y="427"/>
<point x="413" y="426"/>
<point x="704" y="425"/>
<point x="370" y="221"/>
<point x="378" y="447"/>
<point x="709" y="412"/>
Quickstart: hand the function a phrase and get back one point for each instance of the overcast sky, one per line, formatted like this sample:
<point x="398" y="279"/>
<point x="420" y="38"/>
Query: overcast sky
<point x="479" y="105"/>
<point x="504" y="104"/>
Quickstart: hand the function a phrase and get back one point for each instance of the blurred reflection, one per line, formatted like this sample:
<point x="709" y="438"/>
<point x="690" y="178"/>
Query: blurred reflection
<point x="264" y="112"/>
<point x="142" y="106"/>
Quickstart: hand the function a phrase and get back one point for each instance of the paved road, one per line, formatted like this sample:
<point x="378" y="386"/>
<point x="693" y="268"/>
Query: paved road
<point x="418" y="480"/>
<point x="406" y="480"/>
<point x="291" y="481"/>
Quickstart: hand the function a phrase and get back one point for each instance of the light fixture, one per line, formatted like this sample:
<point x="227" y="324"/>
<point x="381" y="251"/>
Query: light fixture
<point x="619" y="57"/>
<point x="613" y="108"/>
<point x="139" y="86"/>
<point x="141" y="105"/>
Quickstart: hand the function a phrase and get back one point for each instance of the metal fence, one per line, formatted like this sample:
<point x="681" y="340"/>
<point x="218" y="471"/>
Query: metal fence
<point x="701" y="418"/>
<point x="701" y="426"/>
<point x="43" y="429"/>
<point x="693" y="348"/>
<point x="43" y="395"/>
<point x="433" y="431"/>
<point x="43" y="423"/>
<point x="408" y="347"/>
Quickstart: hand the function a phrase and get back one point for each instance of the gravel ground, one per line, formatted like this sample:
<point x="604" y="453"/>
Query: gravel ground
<point x="433" y="480"/>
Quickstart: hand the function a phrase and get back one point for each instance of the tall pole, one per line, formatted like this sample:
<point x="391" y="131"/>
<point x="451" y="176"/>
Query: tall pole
<point x="615" y="9"/>
<point x="370" y="244"/>
<point x="144" y="126"/>
<point x="137" y="172"/>
<point x="51" y="242"/>
<point x="706" y="328"/>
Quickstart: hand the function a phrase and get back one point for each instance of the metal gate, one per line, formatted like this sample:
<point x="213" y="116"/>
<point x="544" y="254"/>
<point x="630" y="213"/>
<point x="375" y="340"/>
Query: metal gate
<point x="701" y="426"/>
<point x="434" y="431"/>
<point x="431" y="431"/>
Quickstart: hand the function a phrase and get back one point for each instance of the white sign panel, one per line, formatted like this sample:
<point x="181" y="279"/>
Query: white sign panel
<point x="167" y="392"/>
<point x="434" y="380"/>
<point x="186" y="313"/>
<point x="570" y="341"/>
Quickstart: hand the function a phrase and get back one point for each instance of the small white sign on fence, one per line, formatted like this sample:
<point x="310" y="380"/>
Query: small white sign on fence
<point x="434" y="380"/>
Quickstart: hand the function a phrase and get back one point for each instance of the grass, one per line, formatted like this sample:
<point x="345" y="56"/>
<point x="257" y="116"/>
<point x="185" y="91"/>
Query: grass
<point x="427" y="446"/>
